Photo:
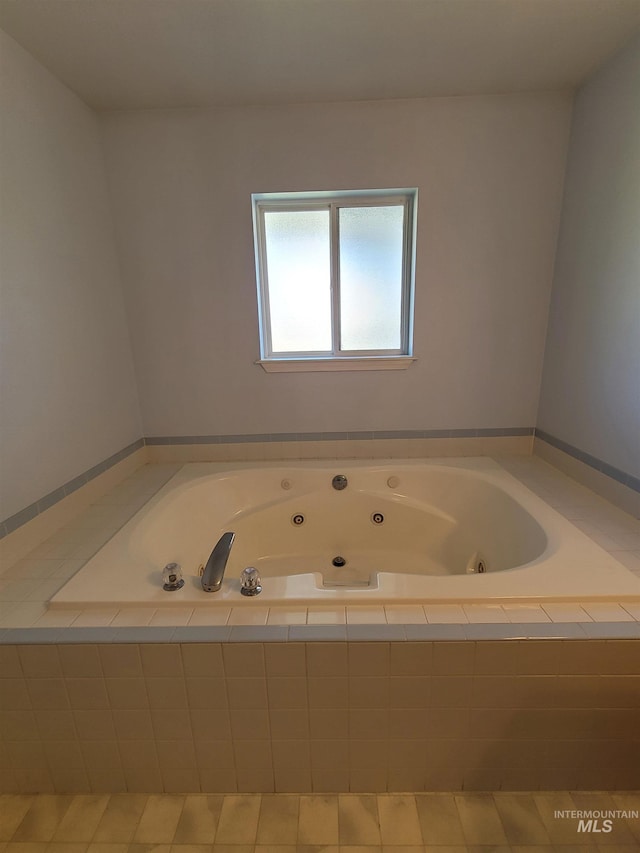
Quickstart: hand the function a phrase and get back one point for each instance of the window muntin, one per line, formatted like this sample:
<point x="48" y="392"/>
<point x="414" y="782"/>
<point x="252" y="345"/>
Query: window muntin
<point x="335" y="274"/>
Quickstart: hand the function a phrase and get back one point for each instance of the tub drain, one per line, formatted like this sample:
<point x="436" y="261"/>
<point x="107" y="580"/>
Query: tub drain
<point x="338" y="562"/>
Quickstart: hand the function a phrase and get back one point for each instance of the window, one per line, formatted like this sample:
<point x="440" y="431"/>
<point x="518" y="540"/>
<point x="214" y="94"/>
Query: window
<point x="335" y="278"/>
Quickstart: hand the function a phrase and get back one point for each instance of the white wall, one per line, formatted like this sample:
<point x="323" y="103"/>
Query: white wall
<point x="489" y="172"/>
<point x="591" y="384"/>
<point x="67" y="394"/>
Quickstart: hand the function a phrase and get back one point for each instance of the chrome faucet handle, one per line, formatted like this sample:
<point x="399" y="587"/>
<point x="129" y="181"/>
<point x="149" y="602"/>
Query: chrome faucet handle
<point x="172" y="577"/>
<point x="250" y="581"/>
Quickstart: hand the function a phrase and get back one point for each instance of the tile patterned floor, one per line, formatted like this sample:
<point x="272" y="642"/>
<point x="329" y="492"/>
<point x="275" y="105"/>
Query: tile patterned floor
<point x="340" y="823"/>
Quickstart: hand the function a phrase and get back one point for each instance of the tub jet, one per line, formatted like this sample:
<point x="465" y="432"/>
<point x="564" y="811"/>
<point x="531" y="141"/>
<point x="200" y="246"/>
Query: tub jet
<point x="338" y="562"/>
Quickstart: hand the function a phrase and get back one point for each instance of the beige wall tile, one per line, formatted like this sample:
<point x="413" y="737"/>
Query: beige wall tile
<point x="295" y="755"/>
<point x="221" y="780"/>
<point x="211" y="723"/>
<point x="141" y="778"/>
<point x="80" y="661"/>
<point x="40" y="661"/>
<point x="327" y="659"/>
<point x="496" y="658"/>
<point x="132" y="724"/>
<point x="48" y="693"/>
<point x="86" y="693"/>
<point x="171" y="724"/>
<point x="176" y="754"/>
<point x="94" y="725"/>
<point x="328" y="723"/>
<point x="120" y="661"/>
<point x="10" y="662"/>
<point x="285" y="659"/>
<point x="251" y="724"/>
<point x="450" y="691"/>
<point x="247" y="693"/>
<point x="369" y="692"/>
<point x="366" y="723"/>
<point x="328" y="692"/>
<point x="368" y="659"/>
<point x="372" y="780"/>
<point x="166" y="692"/>
<point x="494" y="691"/>
<point x="410" y="658"/>
<point x="537" y="657"/>
<point x="289" y="723"/>
<point x="212" y="754"/>
<point x="206" y="692"/>
<point x="101" y="755"/>
<point x="14" y="694"/>
<point x="328" y="754"/>
<point x="140" y="753"/>
<point x="449" y="722"/>
<point x="161" y="660"/>
<point x="127" y="693"/>
<point x="453" y="658"/>
<point x="243" y="660"/>
<point x="367" y="754"/>
<point x="18" y="724"/>
<point x="329" y="779"/>
<point x="202" y="660"/>
<point x="287" y="692"/>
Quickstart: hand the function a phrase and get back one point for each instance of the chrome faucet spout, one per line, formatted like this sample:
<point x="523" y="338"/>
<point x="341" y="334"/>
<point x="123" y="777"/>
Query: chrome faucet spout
<point x="217" y="563"/>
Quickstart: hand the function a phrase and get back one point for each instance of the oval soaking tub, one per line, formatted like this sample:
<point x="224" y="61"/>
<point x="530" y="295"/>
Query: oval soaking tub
<point x="439" y="530"/>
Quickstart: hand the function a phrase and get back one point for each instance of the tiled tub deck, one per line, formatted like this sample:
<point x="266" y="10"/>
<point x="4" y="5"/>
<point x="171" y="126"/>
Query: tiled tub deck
<point x="434" y="697"/>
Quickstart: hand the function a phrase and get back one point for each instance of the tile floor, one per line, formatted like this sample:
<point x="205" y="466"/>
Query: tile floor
<point x="365" y="823"/>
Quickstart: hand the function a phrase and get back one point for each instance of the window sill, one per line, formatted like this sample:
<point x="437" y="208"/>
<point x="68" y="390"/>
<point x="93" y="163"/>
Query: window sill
<point x="306" y="365"/>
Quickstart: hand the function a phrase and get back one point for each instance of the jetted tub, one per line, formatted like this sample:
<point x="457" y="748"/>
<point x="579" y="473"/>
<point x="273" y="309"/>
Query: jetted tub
<point x="439" y="530"/>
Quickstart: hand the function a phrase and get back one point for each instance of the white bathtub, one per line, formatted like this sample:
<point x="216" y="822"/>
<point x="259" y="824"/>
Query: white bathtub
<point x="442" y="520"/>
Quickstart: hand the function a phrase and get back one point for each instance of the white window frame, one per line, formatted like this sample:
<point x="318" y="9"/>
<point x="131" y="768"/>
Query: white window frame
<point x="337" y="358"/>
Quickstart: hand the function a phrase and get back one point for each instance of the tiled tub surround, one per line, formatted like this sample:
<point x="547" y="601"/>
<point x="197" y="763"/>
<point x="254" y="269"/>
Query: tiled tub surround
<point x="27" y="585"/>
<point x="400" y="698"/>
<point x="436" y="520"/>
<point x="321" y="716"/>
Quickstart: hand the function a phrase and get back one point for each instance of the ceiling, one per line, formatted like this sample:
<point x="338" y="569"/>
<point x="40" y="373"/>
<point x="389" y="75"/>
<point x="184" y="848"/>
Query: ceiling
<point x="139" y="54"/>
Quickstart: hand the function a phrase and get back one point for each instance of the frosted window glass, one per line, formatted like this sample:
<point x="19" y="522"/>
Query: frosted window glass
<point x="299" y="272"/>
<point x="371" y="241"/>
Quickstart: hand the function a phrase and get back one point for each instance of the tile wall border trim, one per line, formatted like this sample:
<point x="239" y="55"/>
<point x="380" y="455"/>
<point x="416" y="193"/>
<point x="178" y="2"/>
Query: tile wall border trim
<point x="30" y="512"/>
<point x="27" y="514"/>
<point x="600" y="465"/>
<point x="374" y="633"/>
<point x="355" y="435"/>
